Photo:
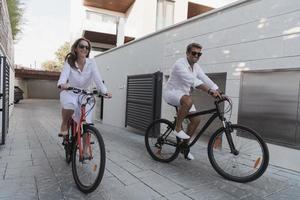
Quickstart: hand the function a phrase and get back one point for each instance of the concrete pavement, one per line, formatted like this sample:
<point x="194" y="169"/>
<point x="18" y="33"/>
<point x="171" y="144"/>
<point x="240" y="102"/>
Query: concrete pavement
<point x="32" y="166"/>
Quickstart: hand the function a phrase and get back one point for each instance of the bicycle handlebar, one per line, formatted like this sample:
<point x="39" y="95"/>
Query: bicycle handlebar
<point x="224" y="98"/>
<point x="85" y="92"/>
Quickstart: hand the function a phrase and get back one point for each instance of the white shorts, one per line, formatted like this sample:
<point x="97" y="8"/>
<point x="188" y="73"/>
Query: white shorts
<point x="173" y="97"/>
<point x="69" y="100"/>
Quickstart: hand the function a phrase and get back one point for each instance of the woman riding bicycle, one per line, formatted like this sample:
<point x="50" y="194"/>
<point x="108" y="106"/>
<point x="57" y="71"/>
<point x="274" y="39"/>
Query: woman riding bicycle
<point x="79" y="71"/>
<point x="186" y="73"/>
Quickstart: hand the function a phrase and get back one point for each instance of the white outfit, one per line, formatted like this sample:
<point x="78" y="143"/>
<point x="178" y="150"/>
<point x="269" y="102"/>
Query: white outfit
<point x="183" y="77"/>
<point x="79" y="79"/>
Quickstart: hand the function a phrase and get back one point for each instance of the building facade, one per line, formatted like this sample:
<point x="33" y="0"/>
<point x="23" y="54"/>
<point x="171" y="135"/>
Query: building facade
<point x="111" y="23"/>
<point x="6" y="70"/>
<point x="253" y="48"/>
<point x="6" y="49"/>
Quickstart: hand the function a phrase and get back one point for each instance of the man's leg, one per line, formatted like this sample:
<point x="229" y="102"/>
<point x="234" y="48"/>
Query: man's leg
<point x="186" y="103"/>
<point x="192" y="126"/>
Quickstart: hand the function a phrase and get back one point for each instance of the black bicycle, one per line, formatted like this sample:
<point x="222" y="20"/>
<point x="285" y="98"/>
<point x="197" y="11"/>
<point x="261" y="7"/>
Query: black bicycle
<point x="236" y="152"/>
<point x="84" y="147"/>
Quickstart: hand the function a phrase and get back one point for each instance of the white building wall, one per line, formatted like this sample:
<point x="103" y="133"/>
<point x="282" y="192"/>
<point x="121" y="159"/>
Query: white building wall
<point x="77" y="18"/>
<point x="137" y="58"/>
<point x="247" y="35"/>
<point x="140" y="19"/>
<point x="6" y="50"/>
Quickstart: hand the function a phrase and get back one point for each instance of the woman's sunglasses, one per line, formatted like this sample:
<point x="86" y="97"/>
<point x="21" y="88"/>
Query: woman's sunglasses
<point x="81" y="46"/>
<point x="194" y="53"/>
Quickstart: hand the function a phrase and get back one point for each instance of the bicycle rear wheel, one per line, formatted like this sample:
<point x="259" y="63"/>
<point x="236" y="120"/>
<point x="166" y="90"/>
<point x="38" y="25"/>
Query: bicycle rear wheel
<point x="88" y="172"/>
<point x="246" y="164"/>
<point x="160" y="143"/>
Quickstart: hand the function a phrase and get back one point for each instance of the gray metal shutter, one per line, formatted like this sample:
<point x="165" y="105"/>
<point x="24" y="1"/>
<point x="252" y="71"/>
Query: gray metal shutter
<point x="143" y="103"/>
<point x="4" y="95"/>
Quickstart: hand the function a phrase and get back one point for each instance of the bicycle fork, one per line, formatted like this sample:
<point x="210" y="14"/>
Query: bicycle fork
<point x="228" y="130"/>
<point x="86" y="140"/>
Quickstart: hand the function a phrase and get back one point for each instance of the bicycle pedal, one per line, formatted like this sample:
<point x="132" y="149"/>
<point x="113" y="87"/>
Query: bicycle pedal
<point x="64" y="142"/>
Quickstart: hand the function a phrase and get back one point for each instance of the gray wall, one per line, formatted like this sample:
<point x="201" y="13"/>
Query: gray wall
<point x="42" y="89"/>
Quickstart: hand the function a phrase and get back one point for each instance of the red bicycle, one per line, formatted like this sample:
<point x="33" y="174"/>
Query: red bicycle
<point x="84" y="146"/>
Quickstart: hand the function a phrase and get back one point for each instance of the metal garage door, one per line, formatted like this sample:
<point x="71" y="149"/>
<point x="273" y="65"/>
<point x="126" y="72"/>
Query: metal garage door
<point x="269" y="103"/>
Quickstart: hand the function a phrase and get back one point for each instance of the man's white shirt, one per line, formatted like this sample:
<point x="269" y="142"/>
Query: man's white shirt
<point x="183" y="77"/>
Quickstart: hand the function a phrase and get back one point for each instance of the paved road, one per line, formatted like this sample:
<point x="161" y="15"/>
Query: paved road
<point x="32" y="166"/>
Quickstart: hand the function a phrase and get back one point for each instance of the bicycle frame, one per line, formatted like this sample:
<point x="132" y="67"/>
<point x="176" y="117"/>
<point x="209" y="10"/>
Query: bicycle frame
<point x="216" y="113"/>
<point x="77" y="129"/>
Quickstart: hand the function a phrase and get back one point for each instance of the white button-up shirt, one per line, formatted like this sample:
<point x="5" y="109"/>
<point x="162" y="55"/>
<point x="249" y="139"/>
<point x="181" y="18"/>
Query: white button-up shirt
<point x="183" y="77"/>
<point x="82" y="79"/>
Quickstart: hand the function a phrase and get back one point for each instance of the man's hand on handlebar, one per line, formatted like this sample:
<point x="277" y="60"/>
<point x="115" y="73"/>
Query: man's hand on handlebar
<point x="216" y="94"/>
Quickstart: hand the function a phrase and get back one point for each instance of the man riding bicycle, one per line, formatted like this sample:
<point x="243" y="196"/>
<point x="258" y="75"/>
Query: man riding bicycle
<point x="187" y="74"/>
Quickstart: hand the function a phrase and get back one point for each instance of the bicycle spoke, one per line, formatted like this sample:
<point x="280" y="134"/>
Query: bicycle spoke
<point x="246" y="163"/>
<point x="88" y="171"/>
<point x="160" y="143"/>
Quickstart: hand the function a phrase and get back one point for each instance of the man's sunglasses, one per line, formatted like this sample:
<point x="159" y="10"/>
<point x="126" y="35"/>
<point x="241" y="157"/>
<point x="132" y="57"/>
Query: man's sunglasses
<point x="194" y="53"/>
<point x="81" y="46"/>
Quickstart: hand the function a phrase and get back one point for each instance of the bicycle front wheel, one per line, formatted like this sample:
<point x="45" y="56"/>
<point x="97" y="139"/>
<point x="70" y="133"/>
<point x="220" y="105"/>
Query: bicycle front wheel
<point x="160" y="143"/>
<point x="246" y="162"/>
<point x="89" y="169"/>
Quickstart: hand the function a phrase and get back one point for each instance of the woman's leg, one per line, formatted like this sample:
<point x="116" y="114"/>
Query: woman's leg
<point x="66" y="116"/>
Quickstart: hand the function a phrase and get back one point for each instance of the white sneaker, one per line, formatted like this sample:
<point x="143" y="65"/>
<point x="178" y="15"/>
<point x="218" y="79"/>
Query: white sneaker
<point x="181" y="134"/>
<point x="190" y="156"/>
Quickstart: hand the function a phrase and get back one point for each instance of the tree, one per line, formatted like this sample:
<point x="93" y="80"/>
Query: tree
<point x="56" y="65"/>
<point x="15" y="11"/>
<point x="51" y="65"/>
<point x="62" y="52"/>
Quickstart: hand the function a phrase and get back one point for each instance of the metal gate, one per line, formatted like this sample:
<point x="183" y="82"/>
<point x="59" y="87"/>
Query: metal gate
<point x="4" y="96"/>
<point x="143" y="103"/>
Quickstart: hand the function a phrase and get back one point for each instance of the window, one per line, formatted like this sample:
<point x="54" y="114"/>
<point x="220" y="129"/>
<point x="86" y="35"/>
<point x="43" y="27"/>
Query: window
<point x="164" y="13"/>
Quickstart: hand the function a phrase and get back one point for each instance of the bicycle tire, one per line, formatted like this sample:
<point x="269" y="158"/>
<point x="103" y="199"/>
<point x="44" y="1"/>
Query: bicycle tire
<point x="154" y="142"/>
<point x="255" y="163"/>
<point x="75" y="161"/>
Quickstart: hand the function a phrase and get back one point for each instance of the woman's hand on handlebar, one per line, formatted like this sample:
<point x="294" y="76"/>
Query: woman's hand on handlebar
<point x="64" y="86"/>
<point x="107" y="95"/>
